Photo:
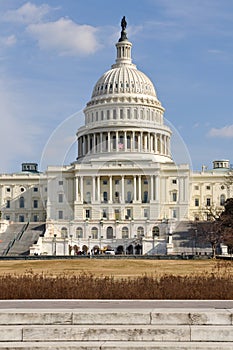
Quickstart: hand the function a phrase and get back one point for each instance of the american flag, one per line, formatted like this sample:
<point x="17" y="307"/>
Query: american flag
<point x="120" y="145"/>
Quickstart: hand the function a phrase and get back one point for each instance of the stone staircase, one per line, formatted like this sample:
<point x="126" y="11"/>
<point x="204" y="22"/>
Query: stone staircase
<point x="116" y="328"/>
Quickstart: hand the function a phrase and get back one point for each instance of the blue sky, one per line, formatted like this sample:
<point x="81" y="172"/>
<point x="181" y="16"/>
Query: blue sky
<point x="53" y="52"/>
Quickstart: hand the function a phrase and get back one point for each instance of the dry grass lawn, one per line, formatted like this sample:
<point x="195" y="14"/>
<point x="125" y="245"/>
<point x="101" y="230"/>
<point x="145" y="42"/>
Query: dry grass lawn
<point x="112" y="267"/>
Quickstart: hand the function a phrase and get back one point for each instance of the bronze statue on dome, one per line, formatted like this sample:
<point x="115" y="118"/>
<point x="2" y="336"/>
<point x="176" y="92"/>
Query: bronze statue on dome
<point x="123" y="31"/>
<point x="123" y="23"/>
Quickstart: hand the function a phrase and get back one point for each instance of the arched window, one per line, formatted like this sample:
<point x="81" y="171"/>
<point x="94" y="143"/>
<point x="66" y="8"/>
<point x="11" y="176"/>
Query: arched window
<point x="64" y="232"/>
<point x="21" y="202"/>
<point x="94" y="233"/>
<point x="222" y="199"/>
<point x="140" y="231"/>
<point x="155" y="231"/>
<point x="79" y="232"/>
<point x="109" y="232"/>
<point x="125" y="232"/>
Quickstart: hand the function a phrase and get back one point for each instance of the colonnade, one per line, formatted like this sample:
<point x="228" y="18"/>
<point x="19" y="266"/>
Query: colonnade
<point x="124" y="141"/>
<point x="117" y="188"/>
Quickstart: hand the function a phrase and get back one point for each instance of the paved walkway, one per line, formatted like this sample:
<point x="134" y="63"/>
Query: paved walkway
<point x="115" y="304"/>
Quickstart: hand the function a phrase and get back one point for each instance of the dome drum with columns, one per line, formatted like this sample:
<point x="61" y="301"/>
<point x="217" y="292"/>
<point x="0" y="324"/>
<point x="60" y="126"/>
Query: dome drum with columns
<point x="124" y="114"/>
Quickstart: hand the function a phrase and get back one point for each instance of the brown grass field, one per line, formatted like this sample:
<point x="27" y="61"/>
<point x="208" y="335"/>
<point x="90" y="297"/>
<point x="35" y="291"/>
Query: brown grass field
<point x="116" y="279"/>
<point x="113" y="267"/>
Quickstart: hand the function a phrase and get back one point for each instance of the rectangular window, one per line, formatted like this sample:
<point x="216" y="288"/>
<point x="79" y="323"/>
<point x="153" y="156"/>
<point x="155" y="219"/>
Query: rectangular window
<point x="8" y="189"/>
<point x="128" y="213"/>
<point x="35" y="189"/>
<point x="146" y="213"/>
<point x="105" y="182"/>
<point x="88" y="182"/>
<point x="60" y="197"/>
<point x="174" y="181"/>
<point x="8" y="203"/>
<point x="208" y="202"/>
<point x="88" y="213"/>
<point x="208" y="187"/>
<point x="8" y="217"/>
<point x="105" y="214"/>
<point x="145" y="182"/>
<point x="60" y="214"/>
<point x="117" y="214"/>
<point x="60" y="182"/>
<point x="174" y="196"/>
<point x="35" y="203"/>
<point x="174" y="214"/>
<point x="196" y="188"/>
<point x="117" y="182"/>
<point x="129" y="182"/>
<point x="196" y="202"/>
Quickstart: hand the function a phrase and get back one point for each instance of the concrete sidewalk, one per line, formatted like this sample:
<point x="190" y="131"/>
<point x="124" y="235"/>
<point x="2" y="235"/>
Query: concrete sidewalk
<point x="114" y="304"/>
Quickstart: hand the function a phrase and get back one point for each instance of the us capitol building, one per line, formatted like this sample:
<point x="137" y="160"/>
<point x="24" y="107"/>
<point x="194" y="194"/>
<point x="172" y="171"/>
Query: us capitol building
<point x="124" y="191"/>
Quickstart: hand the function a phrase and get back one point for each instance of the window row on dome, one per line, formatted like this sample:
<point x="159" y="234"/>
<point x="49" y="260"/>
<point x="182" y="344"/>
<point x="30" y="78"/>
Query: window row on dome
<point x="148" y="114"/>
<point x="126" y="86"/>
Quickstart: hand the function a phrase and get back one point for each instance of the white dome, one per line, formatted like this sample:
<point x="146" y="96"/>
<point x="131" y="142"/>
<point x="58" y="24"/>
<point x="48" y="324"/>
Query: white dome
<point x="124" y="79"/>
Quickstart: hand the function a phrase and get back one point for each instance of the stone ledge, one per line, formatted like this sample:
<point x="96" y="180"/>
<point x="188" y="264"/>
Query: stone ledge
<point x="119" y="316"/>
<point x="114" y="346"/>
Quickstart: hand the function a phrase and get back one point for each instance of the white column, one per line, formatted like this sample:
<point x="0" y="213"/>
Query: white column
<point x="94" y="143"/>
<point x="146" y="143"/>
<point x="110" y="189"/>
<point x="122" y="189"/>
<point x="88" y="144"/>
<point x="98" y="188"/>
<point x="117" y="141"/>
<point x="81" y="188"/>
<point x="156" y="188"/>
<point x="77" y="189"/>
<point x="101" y="142"/>
<point x="133" y="141"/>
<point x="155" y="143"/>
<point x="93" y="189"/>
<point x="140" y="188"/>
<point x="152" y="188"/>
<point x="141" y="139"/>
<point x="109" y="141"/>
<point x="125" y="141"/>
<point x="135" y="188"/>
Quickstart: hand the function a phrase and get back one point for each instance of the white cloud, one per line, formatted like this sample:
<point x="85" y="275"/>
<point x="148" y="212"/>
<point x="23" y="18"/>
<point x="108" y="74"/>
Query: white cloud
<point x="7" y="41"/>
<point x="65" y="37"/>
<point x="28" y="13"/>
<point x="226" y="131"/>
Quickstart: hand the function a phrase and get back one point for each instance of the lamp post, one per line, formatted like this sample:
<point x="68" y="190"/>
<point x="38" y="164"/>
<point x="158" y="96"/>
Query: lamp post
<point x="71" y="244"/>
<point x="55" y="244"/>
<point x="89" y="246"/>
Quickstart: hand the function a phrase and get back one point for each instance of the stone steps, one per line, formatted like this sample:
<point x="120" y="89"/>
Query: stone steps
<point x="117" y="328"/>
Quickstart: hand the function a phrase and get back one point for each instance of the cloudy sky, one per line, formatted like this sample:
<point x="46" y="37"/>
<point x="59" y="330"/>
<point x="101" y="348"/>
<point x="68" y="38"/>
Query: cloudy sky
<point x="52" y="53"/>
